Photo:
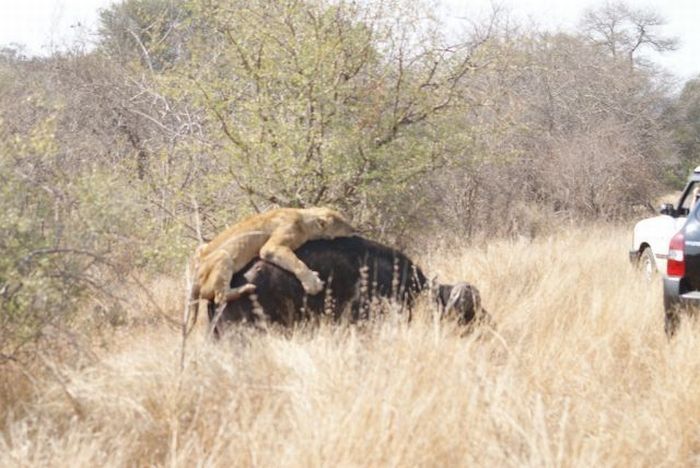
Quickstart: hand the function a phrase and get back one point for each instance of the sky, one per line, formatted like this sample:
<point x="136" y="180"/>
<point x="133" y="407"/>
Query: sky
<point x="682" y="17"/>
<point x="40" y="25"/>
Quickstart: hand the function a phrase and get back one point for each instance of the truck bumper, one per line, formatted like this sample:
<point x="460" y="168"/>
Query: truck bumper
<point x="674" y="297"/>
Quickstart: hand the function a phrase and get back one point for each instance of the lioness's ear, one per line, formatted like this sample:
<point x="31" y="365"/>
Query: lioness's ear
<point x="321" y="223"/>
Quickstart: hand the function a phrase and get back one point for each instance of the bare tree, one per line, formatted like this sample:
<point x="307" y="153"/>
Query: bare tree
<point x="624" y="31"/>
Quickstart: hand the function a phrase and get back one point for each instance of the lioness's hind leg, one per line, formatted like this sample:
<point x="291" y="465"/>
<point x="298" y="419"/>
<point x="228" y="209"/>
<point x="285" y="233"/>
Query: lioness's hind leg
<point x="230" y="295"/>
<point x="218" y="276"/>
<point x="233" y="294"/>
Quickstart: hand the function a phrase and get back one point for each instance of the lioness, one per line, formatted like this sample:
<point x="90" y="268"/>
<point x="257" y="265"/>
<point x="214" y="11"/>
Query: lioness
<point x="273" y="236"/>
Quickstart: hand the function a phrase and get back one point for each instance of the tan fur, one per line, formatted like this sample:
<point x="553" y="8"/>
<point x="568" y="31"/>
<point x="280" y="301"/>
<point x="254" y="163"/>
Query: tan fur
<point x="272" y="236"/>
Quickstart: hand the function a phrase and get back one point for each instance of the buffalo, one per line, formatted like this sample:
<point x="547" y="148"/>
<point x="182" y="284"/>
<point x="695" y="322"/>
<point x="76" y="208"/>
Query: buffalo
<point x="356" y="271"/>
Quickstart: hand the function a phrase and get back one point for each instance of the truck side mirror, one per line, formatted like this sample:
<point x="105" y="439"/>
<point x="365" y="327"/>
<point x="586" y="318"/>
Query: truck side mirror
<point x="667" y="209"/>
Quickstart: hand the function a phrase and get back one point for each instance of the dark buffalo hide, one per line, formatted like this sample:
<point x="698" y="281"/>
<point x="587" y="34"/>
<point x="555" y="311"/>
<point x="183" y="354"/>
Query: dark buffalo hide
<point x="356" y="271"/>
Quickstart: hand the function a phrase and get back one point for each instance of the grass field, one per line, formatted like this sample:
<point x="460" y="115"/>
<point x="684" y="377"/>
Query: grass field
<point x="578" y="373"/>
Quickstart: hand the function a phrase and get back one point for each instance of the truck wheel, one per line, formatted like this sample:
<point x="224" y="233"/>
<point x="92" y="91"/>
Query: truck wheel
<point x="647" y="264"/>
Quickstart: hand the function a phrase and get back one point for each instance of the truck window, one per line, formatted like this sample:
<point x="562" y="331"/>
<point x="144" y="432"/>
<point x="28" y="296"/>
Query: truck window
<point x="690" y="196"/>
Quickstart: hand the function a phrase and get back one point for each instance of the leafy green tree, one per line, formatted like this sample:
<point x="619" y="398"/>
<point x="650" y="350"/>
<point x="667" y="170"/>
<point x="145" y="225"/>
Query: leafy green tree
<point x="150" y="32"/>
<point x="322" y="103"/>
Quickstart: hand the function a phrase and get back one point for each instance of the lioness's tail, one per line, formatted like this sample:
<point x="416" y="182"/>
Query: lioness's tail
<point x="192" y="310"/>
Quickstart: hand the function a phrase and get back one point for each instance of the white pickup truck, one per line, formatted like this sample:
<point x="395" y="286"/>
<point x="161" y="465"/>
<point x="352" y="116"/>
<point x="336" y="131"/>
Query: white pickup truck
<point x="652" y="235"/>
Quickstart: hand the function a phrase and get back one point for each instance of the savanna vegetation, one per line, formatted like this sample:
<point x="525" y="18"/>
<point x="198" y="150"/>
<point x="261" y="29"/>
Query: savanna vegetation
<point x="489" y="150"/>
<point x="578" y="373"/>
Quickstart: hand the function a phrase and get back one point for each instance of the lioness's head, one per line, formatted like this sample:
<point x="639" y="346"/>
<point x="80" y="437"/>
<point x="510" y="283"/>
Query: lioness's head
<point x="328" y="223"/>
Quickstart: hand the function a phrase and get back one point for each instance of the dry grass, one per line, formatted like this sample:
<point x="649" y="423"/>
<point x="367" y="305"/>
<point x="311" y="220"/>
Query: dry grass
<point x="578" y="374"/>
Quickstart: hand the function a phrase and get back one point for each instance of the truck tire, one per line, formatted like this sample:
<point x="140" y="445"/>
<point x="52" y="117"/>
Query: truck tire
<point x="647" y="264"/>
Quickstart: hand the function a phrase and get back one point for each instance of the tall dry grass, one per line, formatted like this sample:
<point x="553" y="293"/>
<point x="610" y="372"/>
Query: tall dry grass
<point x="579" y="373"/>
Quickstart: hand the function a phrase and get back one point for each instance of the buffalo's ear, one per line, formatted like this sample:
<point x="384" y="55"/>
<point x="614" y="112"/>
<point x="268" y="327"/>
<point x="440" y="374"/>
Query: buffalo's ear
<point x="433" y="283"/>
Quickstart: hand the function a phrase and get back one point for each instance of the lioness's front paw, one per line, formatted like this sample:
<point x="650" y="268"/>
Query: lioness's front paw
<point x="312" y="284"/>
